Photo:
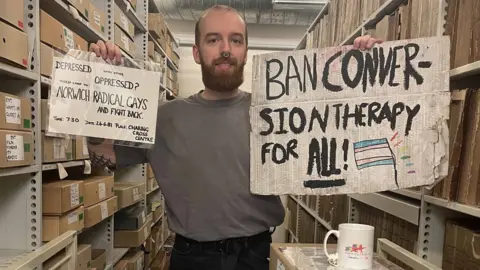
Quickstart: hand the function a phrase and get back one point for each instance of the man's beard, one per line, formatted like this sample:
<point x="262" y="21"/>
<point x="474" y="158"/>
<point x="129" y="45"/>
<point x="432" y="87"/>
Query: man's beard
<point x="225" y="81"/>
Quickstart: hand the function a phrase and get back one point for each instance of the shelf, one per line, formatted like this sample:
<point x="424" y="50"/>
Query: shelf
<point x="156" y="221"/>
<point x="18" y="73"/>
<point x="152" y="7"/>
<point x="61" y="11"/>
<point x="19" y="170"/>
<point x="66" y="164"/>
<point x="397" y="207"/>
<point x="417" y="195"/>
<point x="312" y="213"/>
<point x="455" y="206"/>
<point x="118" y="253"/>
<point x="6" y="255"/>
<point x="132" y="16"/>
<point x="169" y="61"/>
<point x="153" y="190"/>
<point x="315" y="21"/>
<point x="465" y="71"/>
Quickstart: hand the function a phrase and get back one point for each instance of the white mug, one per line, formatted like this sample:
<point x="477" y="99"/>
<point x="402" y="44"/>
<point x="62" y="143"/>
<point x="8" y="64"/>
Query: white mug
<point x="354" y="246"/>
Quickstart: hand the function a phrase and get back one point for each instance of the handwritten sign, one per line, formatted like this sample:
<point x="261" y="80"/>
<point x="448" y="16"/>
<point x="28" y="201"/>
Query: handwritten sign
<point x="339" y="120"/>
<point x="101" y="100"/>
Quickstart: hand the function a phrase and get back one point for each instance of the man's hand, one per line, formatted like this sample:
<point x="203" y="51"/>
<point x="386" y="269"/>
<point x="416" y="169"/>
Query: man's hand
<point x="107" y="51"/>
<point x="365" y="42"/>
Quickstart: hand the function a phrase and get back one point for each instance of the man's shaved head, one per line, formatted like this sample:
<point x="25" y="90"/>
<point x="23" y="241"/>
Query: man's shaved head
<point x="216" y="7"/>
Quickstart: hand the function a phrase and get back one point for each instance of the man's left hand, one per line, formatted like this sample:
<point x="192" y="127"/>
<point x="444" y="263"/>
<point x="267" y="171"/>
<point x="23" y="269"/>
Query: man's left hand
<point x="365" y="42"/>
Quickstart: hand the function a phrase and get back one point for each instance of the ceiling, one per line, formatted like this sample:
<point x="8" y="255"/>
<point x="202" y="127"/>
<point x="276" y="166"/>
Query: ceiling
<point x="253" y="11"/>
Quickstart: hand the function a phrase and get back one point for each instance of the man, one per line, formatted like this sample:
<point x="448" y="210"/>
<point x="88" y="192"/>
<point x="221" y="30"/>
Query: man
<point x="201" y="156"/>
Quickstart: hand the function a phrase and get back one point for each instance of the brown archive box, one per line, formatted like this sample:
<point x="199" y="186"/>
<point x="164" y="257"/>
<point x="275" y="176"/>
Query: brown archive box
<point x="134" y="260"/>
<point x="123" y="22"/>
<point x="17" y="112"/>
<point x="132" y="238"/>
<point x="61" y="196"/>
<point x="54" y="226"/>
<point x="124" y="41"/>
<point x="82" y="6"/>
<point x="97" y="18"/>
<point x="53" y="33"/>
<point x="84" y="257"/>
<point x="80" y="148"/>
<point x="97" y="189"/>
<point x="47" y="53"/>
<point x="56" y="149"/>
<point x="12" y="12"/>
<point x="100" y="211"/>
<point x="128" y="193"/>
<point x="18" y="148"/>
<point x="99" y="259"/>
<point x="14" y="45"/>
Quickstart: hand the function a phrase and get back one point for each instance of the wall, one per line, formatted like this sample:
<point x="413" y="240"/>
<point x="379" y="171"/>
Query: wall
<point x="190" y="76"/>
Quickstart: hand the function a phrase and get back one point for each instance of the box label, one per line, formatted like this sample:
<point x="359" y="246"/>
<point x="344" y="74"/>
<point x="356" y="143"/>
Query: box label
<point x="124" y="21"/>
<point x="104" y="210"/>
<point x="85" y="146"/>
<point x="101" y="191"/>
<point x="145" y="232"/>
<point x="125" y="41"/>
<point x="14" y="147"/>
<point x="96" y="17"/>
<point x="136" y="195"/>
<point x="72" y="218"/>
<point x="59" y="148"/>
<point x="68" y="36"/>
<point x="280" y="265"/>
<point x="74" y="195"/>
<point x="13" y="111"/>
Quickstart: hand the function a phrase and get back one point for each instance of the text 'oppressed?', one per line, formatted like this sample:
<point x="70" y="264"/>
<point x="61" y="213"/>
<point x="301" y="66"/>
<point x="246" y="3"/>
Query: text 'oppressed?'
<point x="372" y="69"/>
<point x="121" y="105"/>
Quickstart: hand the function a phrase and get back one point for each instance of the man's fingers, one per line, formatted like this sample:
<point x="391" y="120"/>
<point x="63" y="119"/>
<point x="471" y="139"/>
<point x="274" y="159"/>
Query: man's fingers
<point x="118" y="55"/>
<point x="111" y="50"/>
<point x="103" y="49"/>
<point x="370" y="43"/>
<point x="95" y="49"/>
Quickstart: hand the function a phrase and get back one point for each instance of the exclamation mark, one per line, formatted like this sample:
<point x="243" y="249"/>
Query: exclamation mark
<point x="345" y="153"/>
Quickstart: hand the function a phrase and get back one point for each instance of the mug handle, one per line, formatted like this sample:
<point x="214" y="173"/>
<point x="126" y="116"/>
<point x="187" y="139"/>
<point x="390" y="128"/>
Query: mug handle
<point x="330" y="257"/>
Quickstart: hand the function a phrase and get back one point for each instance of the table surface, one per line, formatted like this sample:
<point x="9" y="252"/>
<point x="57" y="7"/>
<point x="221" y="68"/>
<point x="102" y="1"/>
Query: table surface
<point x="313" y="258"/>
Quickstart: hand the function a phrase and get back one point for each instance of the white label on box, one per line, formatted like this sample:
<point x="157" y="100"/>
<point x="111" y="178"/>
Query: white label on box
<point x="96" y="17"/>
<point x="143" y="217"/>
<point x="102" y="191"/>
<point x="145" y="232"/>
<point x="72" y="217"/>
<point x="13" y="111"/>
<point x="124" y="21"/>
<point x="14" y="147"/>
<point x="68" y="36"/>
<point x="104" y="210"/>
<point x="136" y="195"/>
<point x="74" y="195"/>
<point x="59" y="148"/>
<point x="280" y="265"/>
<point x="125" y="41"/>
<point x="85" y="146"/>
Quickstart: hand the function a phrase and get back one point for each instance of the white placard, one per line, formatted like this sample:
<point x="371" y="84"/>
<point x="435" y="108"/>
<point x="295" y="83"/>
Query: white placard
<point x="105" y="101"/>
<point x="13" y="110"/>
<point x="74" y="195"/>
<point x="14" y="147"/>
<point x="104" y="210"/>
<point x="339" y="120"/>
<point x="102" y="191"/>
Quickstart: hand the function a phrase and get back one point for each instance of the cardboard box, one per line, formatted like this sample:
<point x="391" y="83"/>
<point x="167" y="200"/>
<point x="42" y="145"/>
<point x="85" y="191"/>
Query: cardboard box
<point x="12" y="12"/>
<point x="129" y="193"/>
<point x="133" y="238"/>
<point x="133" y="3"/>
<point x="121" y="265"/>
<point x="156" y="25"/>
<point x="123" y="22"/>
<point x="84" y="257"/>
<point x="82" y="6"/>
<point x="18" y="148"/>
<point x="62" y="196"/>
<point x="14" y="46"/>
<point x="131" y="218"/>
<point x="97" y="189"/>
<point x="80" y="149"/>
<point x="46" y="60"/>
<point x="55" y="34"/>
<point x="52" y="263"/>
<point x="100" y="211"/>
<point x="56" y="149"/>
<point x="97" y="18"/>
<point x="124" y="41"/>
<point x="99" y="259"/>
<point x="17" y="112"/>
<point x="54" y="226"/>
<point x="135" y="260"/>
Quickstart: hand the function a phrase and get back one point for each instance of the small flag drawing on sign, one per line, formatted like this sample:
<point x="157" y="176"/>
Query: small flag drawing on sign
<point x="376" y="152"/>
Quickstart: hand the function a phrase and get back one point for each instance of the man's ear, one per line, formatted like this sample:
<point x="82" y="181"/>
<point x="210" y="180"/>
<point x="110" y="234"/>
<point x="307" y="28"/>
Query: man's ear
<point x="196" y="54"/>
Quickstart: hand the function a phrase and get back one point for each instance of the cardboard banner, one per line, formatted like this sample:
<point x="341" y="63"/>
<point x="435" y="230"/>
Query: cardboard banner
<point x="103" y="100"/>
<point x="338" y="120"/>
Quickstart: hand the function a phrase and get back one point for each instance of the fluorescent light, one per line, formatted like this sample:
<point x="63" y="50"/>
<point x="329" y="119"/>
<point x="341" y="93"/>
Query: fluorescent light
<point x="298" y="5"/>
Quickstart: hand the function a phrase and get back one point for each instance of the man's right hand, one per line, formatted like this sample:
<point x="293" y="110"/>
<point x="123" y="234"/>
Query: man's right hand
<point x="107" y="51"/>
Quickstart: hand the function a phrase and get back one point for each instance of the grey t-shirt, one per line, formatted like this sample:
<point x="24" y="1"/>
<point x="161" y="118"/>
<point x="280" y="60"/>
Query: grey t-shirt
<point x="201" y="161"/>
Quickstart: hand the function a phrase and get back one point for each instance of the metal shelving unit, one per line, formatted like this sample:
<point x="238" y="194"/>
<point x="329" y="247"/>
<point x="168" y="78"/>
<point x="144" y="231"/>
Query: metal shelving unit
<point x="417" y="207"/>
<point x="21" y="187"/>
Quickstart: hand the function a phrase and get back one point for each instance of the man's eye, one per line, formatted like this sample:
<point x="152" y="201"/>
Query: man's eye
<point x="237" y="41"/>
<point x="212" y="40"/>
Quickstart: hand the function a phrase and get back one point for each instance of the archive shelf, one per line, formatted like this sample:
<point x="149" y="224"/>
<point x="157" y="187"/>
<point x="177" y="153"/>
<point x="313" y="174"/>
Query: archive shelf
<point x="420" y="208"/>
<point x="21" y="187"/>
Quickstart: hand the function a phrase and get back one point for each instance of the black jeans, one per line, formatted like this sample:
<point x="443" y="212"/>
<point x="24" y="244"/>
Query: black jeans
<point x="250" y="253"/>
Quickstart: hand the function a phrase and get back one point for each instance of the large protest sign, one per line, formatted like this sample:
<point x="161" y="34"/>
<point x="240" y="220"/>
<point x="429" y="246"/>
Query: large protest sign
<point x="102" y="100"/>
<point x="338" y="120"/>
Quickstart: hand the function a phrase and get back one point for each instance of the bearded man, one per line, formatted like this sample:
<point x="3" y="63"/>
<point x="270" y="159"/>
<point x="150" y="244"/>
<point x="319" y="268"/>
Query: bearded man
<point x="201" y="156"/>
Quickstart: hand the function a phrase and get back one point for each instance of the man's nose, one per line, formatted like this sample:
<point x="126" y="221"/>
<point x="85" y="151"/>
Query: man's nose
<point x="225" y="47"/>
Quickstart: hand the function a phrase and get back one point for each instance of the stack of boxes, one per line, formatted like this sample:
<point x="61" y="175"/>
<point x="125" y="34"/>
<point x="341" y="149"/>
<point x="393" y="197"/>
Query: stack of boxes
<point x="14" y="49"/>
<point x="124" y="32"/>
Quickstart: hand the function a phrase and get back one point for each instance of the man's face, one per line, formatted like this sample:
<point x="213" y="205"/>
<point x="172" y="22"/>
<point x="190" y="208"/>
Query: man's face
<point x="221" y="31"/>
